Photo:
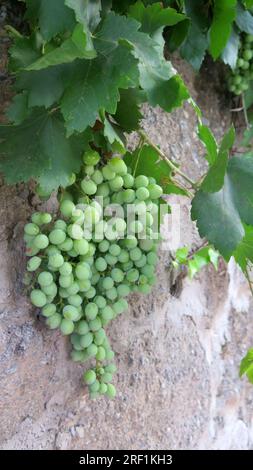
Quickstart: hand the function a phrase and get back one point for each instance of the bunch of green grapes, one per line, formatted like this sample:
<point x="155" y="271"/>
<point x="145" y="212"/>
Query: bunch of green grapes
<point x="84" y="264"/>
<point x="243" y="73"/>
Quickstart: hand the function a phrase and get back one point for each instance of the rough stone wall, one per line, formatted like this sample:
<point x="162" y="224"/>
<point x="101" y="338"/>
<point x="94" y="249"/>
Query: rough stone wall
<point x="177" y="350"/>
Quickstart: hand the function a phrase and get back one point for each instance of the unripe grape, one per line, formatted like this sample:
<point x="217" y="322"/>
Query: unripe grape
<point x="247" y="54"/>
<point x="67" y="327"/>
<point x="45" y="279"/>
<point x="70" y="313"/>
<point x="75" y="300"/>
<point x="108" y="174"/>
<point x="91" y="310"/>
<point x="50" y="290"/>
<point x="82" y="328"/>
<point x="89" y="294"/>
<point x="75" y="231"/>
<point x="41" y="241"/>
<point x="67" y="245"/>
<point x="88" y="186"/>
<point x="118" y="166"/>
<point x="128" y="181"/>
<point x="100" y="264"/>
<point x="107" y="313"/>
<point x="31" y="229"/>
<point x="111" y="391"/>
<point x="54" y="321"/>
<point x="60" y="224"/>
<point x="95" y="325"/>
<point x="102" y="388"/>
<point x="56" y="260"/>
<point x="94" y="387"/>
<point x="89" y="377"/>
<point x="38" y="298"/>
<point x="67" y="208"/>
<point x="155" y="191"/>
<point x="97" y="177"/>
<point x="99" y="337"/>
<point x="116" y="183"/>
<point x="33" y="263"/>
<point x="49" y="310"/>
<point x="86" y="340"/>
<point x="114" y="249"/>
<point x="91" y="157"/>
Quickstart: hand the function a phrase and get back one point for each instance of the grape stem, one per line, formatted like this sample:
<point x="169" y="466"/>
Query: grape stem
<point x="172" y="165"/>
<point x="245" y="112"/>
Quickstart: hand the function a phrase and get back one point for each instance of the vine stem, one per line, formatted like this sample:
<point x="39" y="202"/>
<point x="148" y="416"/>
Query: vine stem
<point x="247" y="274"/>
<point x="172" y="165"/>
<point x="245" y="112"/>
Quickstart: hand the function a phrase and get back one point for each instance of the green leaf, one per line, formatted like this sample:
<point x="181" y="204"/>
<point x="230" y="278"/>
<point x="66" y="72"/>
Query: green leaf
<point x="246" y="366"/>
<point x="230" y="53"/>
<point x="248" y="3"/>
<point x="244" y="251"/>
<point x="208" y="139"/>
<point x="45" y="87"/>
<point x="221" y="216"/>
<point x="96" y="85"/>
<point x="247" y="137"/>
<point x="214" y="179"/>
<point x="194" y="47"/>
<point x="214" y="257"/>
<point x="87" y="12"/>
<point x="114" y="136"/>
<point x="73" y="48"/>
<point x="128" y="114"/>
<point x="23" y="157"/>
<point x="22" y="53"/>
<point x="18" y="110"/>
<point x="244" y="20"/>
<point x="146" y="161"/>
<point x="182" y="255"/>
<point x="154" y="17"/>
<point x="175" y="35"/>
<point x="228" y="140"/>
<point x="53" y="16"/>
<point x="223" y="17"/>
<point x="198" y="12"/>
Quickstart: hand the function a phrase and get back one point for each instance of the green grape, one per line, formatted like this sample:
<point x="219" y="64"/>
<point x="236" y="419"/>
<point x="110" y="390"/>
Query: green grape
<point x="135" y="254"/>
<point x="146" y="245"/>
<point x="141" y="181"/>
<point x="249" y="38"/>
<point x="123" y="290"/>
<point x="33" y="263"/>
<point x="141" y="262"/>
<point x="74" y="288"/>
<point x="89" y="294"/>
<point x="67" y="208"/>
<point x="91" y="310"/>
<point x="118" y="166"/>
<point x="149" y="219"/>
<point x="50" y="290"/>
<point x="116" y="183"/>
<point x="75" y="300"/>
<point x="114" y="250"/>
<point x="127" y="266"/>
<point x="95" y="278"/>
<point x="82" y="327"/>
<point x="45" y="218"/>
<point x="75" y="231"/>
<point x="109" y="355"/>
<point x="81" y="247"/>
<point x="91" y="157"/>
<point x="77" y="356"/>
<point x="104" y="246"/>
<point x="111" y="391"/>
<point x="144" y="289"/>
<point x="91" y="215"/>
<point x="247" y="54"/>
<point x="103" y="190"/>
<point x="102" y="388"/>
<point x="120" y="306"/>
<point x="65" y="269"/>
<point x="92" y="350"/>
<point x="111" y="368"/>
<point x="67" y="327"/>
<point x="107" y="377"/>
<point x="86" y="340"/>
<point x="142" y="194"/>
<point x="95" y="325"/>
<point x="31" y="229"/>
<point x="65" y="281"/>
<point x="155" y="191"/>
<point x="61" y="225"/>
<point x="100" y="264"/>
<point x="99" y="337"/>
<point x="63" y="293"/>
<point x="57" y="236"/>
<point x="41" y="241"/>
<point x="89" y="377"/>
<point x="45" y="279"/>
<point x="132" y="275"/>
<point x="88" y="186"/>
<point x="89" y="170"/>
<point x="77" y="216"/>
<point x="128" y="181"/>
<point x="143" y="279"/>
<point x="100" y="356"/>
<point x="117" y="275"/>
<point x="70" y="313"/>
<point x="82" y="271"/>
<point x="108" y="174"/>
<point x="148" y="270"/>
<point x="38" y="298"/>
<point x="48" y="310"/>
<point x="107" y="283"/>
<point x="245" y="66"/>
<point x="55" y="261"/>
<point x="123" y="257"/>
<point x="94" y="387"/>
<point x="97" y="177"/>
<point x="112" y="294"/>
<point x="152" y="258"/>
<point x="107" y="313"/>
<point x="72" y="253"/>
<point x="111" y="260"/>
<point x="52" y="250"/>
<point x="136" y="227"/>
<point x="100" y="301"/>
<point x="128" y="196"/>
<point x="130" y="242"/>
<point x="54" y="321"/>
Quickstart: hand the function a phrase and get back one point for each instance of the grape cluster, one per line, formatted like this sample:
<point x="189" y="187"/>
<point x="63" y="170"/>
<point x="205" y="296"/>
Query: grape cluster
<point x="84" y="264"/>
<point x="243" y="73"/>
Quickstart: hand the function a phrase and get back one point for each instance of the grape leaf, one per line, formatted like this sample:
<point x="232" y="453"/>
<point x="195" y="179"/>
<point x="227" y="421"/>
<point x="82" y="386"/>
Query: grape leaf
<point x="248" y="3"/>
<point x="22" y="53"/>
<point x="214" y="179"/>
<point x="228" y="140"/>
<point x="198" y="12"/>
<point x="76" y="47"/>
<point x="246" y="366"/>
<point x="53" y="16"/>
<point x="96" y="86"/>
<point x="128" y="114"/>
<point x="44" y="87"/>
<point x="175" y="35"/>
<point x="50" y="154"/>
<point x="220" y="31"/>
<point x="230" y="53"/>
<point x="208" y="139"/>
<point x="194" y="47"/>
<point x="244" y="20"/>
<point x="244" y="251"/>
<point x="154" y="17"/>
<point x="221" y="216"/>
<point x="114" y="136"/>
<point x="87" y="12"/>
<point x="18" y="110"/>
